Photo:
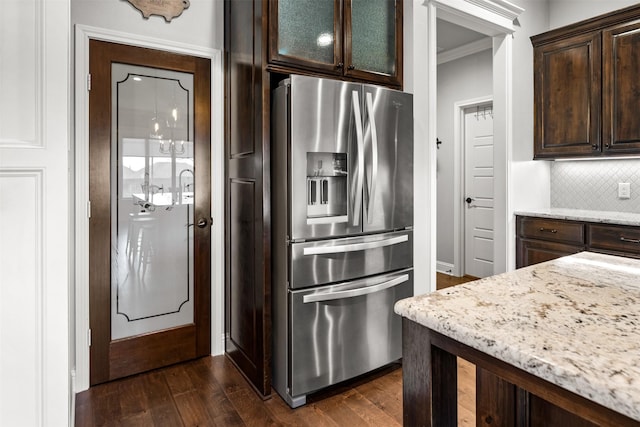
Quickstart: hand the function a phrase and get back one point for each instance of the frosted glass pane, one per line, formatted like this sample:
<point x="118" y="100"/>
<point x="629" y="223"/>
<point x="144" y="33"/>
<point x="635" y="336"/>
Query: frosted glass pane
<point x="152" y="200"/>
<point x="373" y="41"/>
<point x="305" y="29"/>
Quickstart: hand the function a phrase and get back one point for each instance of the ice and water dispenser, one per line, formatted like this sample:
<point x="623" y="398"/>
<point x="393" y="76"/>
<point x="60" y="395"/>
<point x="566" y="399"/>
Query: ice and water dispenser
<point x="326" y="188"/>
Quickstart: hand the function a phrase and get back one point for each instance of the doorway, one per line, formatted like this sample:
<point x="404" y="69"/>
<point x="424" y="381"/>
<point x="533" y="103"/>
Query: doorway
<point x="150" y="193"/>
<point x="464" y="81"/>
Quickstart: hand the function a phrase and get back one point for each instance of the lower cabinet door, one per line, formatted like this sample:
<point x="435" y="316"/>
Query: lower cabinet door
<point x="529" y="252"/>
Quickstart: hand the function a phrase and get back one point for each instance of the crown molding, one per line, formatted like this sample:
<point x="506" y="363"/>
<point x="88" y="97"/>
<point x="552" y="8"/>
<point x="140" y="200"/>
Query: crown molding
<point x="465" y="50"/>
<point x="502" y="8"/>
<point x="491" y="17"/>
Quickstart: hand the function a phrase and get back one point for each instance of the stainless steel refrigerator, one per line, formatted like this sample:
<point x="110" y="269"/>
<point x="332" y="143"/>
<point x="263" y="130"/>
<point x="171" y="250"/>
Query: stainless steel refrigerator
<point x="342" y="217"/>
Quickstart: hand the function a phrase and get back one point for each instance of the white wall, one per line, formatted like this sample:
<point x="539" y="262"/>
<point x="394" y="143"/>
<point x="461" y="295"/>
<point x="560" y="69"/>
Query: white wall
<point x="529" y="179"/>
<point x="202" y="24"/>
<point x="466" y="78"/>
<point x="534" y="20"/>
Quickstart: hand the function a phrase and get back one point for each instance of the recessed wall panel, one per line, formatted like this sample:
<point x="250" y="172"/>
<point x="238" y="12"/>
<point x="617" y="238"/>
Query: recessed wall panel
<point x="21" y="297"/>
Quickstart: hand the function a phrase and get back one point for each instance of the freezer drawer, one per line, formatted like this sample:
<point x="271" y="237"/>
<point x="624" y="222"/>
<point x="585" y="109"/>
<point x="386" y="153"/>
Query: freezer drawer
<point x="342" y="331"/>
<point x="339" y="260"/>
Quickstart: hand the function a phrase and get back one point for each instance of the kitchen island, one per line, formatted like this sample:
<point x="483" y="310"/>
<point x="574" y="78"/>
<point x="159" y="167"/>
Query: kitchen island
<point x="549" y="341"/>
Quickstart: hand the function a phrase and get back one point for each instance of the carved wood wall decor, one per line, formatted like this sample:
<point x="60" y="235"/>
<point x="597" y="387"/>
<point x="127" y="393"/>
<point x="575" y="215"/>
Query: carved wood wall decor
<point x="168" y="9"/>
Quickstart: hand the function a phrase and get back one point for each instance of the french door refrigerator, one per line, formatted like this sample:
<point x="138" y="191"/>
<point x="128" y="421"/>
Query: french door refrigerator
<point x="342" y="219"/>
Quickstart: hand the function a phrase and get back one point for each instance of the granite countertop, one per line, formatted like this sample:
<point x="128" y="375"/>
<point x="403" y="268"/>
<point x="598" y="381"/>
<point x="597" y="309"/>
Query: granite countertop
<point x="573" y="321"/>
<point x="608" y="217"/>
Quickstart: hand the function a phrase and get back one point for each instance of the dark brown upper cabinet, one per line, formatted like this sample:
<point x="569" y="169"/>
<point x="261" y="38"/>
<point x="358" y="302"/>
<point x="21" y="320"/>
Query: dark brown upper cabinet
<point x="621" y="89"/>
<point x="567" y="97"/>
<point x="352" y="39"/>
<point x="586" y="89"/>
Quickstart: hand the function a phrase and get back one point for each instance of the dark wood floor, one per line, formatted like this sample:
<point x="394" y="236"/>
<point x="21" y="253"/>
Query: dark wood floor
<point x="446" y="281"/>
<point x="211" y="392"/>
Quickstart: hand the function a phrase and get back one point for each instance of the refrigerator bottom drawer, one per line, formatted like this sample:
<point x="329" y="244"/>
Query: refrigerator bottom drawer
<point x="345" y="332"/>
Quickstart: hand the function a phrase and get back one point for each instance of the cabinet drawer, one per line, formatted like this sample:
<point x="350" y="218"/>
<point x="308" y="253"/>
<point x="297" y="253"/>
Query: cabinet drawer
<point x="615" y="238"/>
<point x="551" y="230"/>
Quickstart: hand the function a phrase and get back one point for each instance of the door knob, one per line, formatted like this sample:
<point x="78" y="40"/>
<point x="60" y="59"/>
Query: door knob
<point x="202" y="223"/>
<point x="468" y="200"/>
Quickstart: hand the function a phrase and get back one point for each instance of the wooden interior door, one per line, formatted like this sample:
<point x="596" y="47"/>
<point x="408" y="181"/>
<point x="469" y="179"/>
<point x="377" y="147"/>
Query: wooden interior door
<point x="150" y="216"/>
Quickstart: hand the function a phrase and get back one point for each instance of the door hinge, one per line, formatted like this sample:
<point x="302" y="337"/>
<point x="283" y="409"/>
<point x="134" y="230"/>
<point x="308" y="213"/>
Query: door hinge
<point x="89" y="82"/>
<point x="89" y="209"/>
<point x="89" y="337"/>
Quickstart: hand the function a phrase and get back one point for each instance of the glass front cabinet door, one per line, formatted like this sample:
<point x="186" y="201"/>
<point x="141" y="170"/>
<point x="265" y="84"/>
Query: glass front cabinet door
<point x="360" y="39"/>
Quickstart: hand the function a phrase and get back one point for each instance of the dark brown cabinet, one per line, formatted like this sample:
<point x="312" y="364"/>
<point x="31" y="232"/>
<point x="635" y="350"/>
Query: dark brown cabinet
<point x="354" y="39"/>
<point x="621" y="89"/>
<point x="614" y="239"/>
<point x="544" y="239"/>
<point x="586" y="90"/>
<point x="567" y="97"/>
<point x="247" y="196"/>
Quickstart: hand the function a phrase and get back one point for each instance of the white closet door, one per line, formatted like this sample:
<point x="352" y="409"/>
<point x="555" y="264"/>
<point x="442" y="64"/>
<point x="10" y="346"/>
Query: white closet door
<point x="479" y="185"/>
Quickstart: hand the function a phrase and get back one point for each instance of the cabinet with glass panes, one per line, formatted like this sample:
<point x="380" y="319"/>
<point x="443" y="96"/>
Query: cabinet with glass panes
<point x="355" y="39"/>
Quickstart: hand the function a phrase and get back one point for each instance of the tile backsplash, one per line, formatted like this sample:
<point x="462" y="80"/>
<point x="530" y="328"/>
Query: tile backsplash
<point x="593" y="185"/>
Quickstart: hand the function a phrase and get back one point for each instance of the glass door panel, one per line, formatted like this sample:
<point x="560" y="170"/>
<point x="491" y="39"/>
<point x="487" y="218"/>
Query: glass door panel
<point x="373" y="36"/>
<point x="152" y="200"/>
<point x="306" y="30"/>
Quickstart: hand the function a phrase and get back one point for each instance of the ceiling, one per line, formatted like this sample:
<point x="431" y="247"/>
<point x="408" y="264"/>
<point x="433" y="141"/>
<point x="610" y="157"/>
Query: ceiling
<point x="451" y="36"/>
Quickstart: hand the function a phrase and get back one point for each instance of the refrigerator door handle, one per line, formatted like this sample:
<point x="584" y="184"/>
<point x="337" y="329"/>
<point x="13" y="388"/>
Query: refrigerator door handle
<point x="374" y="157"/>
<point x="353" y="247"/>
<point x="360" y="140"/>
<point x="351" y="293"/>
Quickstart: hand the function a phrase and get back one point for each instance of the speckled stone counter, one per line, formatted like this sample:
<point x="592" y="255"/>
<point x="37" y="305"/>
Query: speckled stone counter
<point x="574" y="322"/>
<point x="606" y="217"/>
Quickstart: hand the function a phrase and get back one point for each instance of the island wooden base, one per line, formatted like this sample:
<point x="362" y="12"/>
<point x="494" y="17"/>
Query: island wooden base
<point x="505" y="395"/>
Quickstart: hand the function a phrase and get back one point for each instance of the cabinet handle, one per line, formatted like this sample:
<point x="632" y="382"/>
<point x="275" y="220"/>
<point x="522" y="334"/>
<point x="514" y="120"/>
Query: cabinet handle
<point x="595" y="146"/>
<point x="607" y="146"/>
<point x="624" y="239"/>
<point x="351" y="67"/>
<point x="550" y="230"/>
<point x="340" y="65"/>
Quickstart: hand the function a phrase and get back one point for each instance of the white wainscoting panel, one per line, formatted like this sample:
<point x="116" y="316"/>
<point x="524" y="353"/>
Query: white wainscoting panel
<point x="35" y="367"/>
<point x="21" y="72"/>
<point x="21" y="339"/>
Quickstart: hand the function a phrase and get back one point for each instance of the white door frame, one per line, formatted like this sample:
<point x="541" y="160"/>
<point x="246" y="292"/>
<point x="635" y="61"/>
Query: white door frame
<point x="82" y="207"/>
<point x="494" y="18"/>
<point x="459" y="170"/>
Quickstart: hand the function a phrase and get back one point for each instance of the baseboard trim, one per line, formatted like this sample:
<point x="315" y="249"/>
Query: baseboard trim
<point x="444" y="268"/>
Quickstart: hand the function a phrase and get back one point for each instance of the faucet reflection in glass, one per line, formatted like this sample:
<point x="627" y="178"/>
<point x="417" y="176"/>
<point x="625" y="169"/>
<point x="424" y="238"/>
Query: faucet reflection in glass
<point x="186" y="186"/>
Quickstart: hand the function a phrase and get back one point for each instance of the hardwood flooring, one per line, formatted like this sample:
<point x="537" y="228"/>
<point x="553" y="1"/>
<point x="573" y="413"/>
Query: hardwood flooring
<point x="446" y="281"/>
<point x="211" y="392"/>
